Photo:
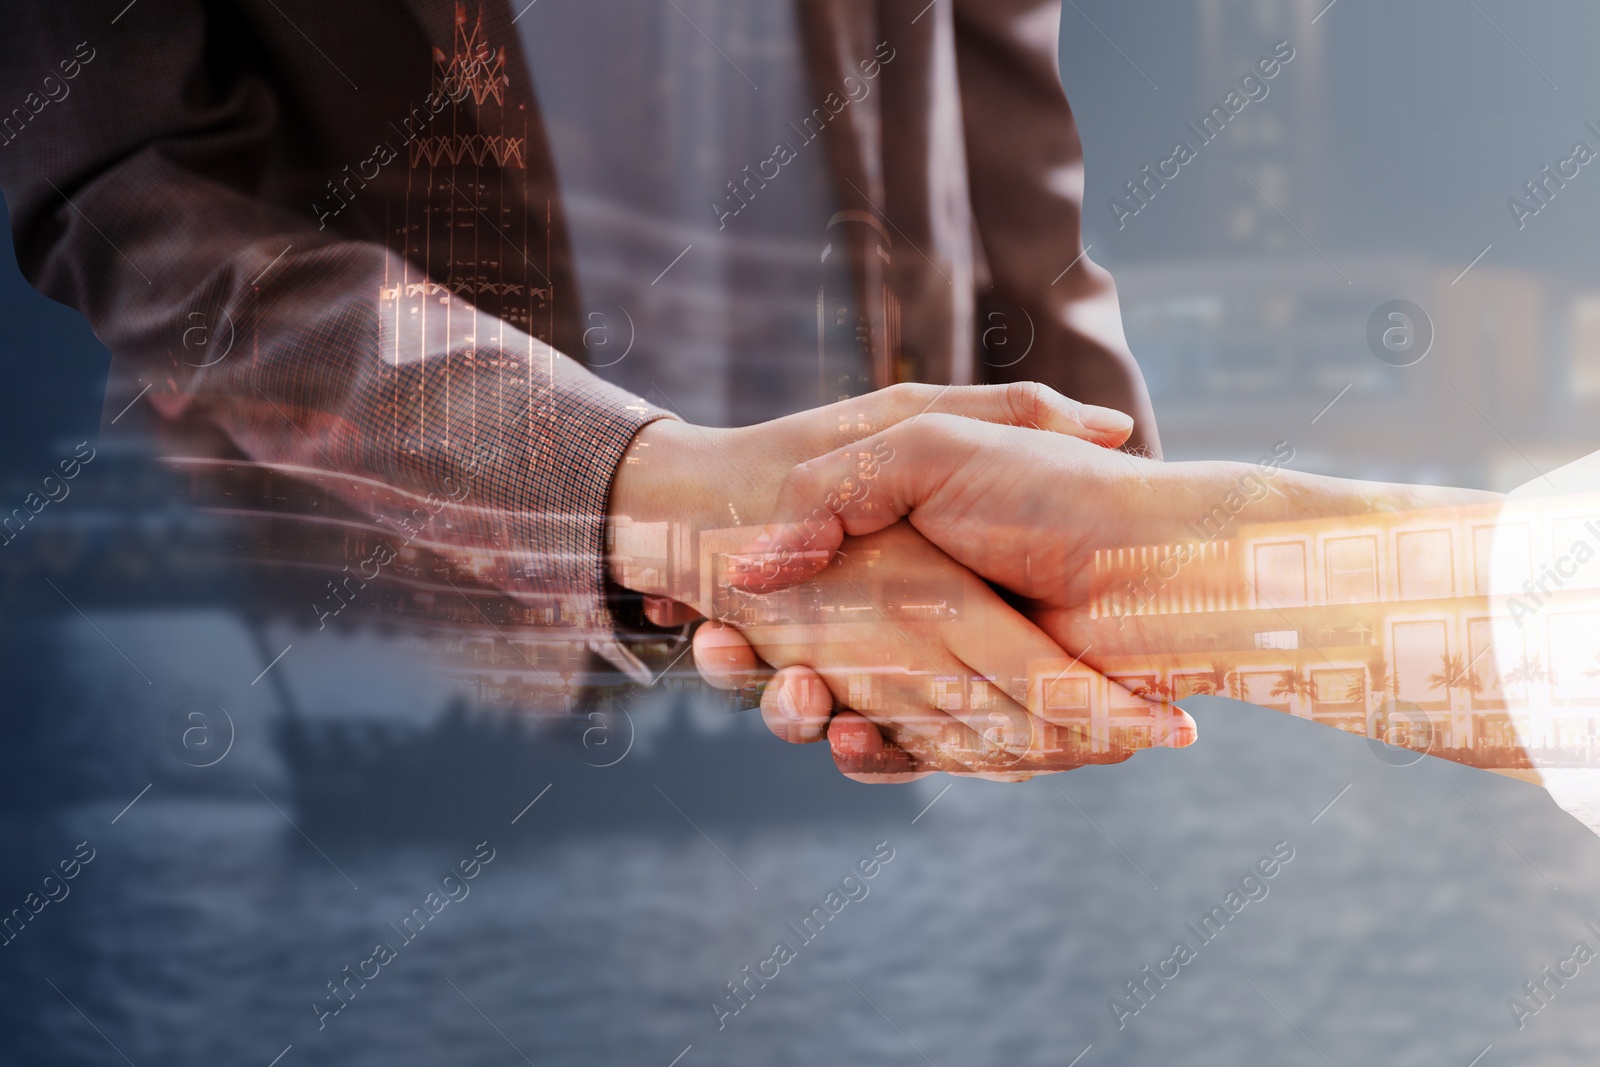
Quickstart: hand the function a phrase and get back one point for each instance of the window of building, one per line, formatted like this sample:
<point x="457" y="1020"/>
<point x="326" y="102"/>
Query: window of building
<point x="1481" y="658"/>
<point x="1425" y="565"/>
<point x="1572" y="554"/>
<point x="1067" y="694"/>
<point x="1572" y="656"/>
<point x="1258" y="687"/>
<point x="1419" y="651"/>
<point x="1337" y="687"/>
<point x="1280" y="577"/>
<point x="861" y="692"/>
<point x="1125" y="685"/>
<point x="1285" y="639"/>
<point x="948" y="693"/>
<point x="1187" y="685"/>
<point x="1515" y="553"/>
<point x="984" y="692"/>
<point x="1352" y="570"/>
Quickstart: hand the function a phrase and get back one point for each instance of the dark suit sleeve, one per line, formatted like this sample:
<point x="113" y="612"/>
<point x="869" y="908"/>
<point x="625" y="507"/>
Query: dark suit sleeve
<point x="1025" y="163"/>
<point x="143" y="197"/>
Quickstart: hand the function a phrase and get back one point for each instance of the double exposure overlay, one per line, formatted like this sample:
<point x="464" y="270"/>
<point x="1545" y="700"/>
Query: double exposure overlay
<point x="724" y="531"/>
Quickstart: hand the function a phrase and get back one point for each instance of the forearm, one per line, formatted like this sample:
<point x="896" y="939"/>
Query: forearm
<point x="1368" y="606"/>
<point x="465" y="436"/>
<point x="328" y="363"/>
<point x="1197" y="544"/>
<point x="181" y="220"/>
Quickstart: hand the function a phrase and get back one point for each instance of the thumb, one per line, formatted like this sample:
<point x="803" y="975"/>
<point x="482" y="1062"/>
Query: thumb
<point x="856" y="490"/>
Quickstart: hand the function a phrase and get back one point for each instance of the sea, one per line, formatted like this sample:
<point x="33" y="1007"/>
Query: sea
<point x="1409" y="901"/>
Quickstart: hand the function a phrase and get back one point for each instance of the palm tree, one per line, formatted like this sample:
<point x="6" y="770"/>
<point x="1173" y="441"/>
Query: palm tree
<point x="1530" y="670"/>
<point x="1377" y="684"/>
<point x="1216" y="681"/>
<point x="1530" y="673"/>
<point x="1157" y="690"/>
<point x="1454" y="673"/>
<point x="1355" y="690"/>
<point x="1291" y="683"/>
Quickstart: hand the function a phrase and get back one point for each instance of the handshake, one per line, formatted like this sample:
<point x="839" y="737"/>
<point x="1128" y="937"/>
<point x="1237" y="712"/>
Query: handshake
<point x="972" y="580"/>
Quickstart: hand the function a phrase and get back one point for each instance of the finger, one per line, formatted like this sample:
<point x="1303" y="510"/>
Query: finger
<point x="914" y="677"/>
<point x="857" y="490"/>
<point x="724" y="658"/>
<point x="1175" y="728"/>
<point x="1030" y="404"/>
<point x="1012" y="738"/>
<point x="1047" y="721"/>
<point x="862" y="666"/>
<point x="797" y="705"/>
<point x="863" y="754"/>
<point x="1011" y="685"/>
<point x="936" y="739"/>
<point x="980" y="691"/>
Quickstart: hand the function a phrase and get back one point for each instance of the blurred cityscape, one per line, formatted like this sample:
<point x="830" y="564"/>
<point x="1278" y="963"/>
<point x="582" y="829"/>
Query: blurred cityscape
<point x="1241" y="299"/>
<point x="1250" y="315"/>
<point x="1374" y="171"/>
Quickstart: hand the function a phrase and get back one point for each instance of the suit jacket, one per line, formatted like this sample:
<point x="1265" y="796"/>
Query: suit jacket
<point x="356" y="209"/>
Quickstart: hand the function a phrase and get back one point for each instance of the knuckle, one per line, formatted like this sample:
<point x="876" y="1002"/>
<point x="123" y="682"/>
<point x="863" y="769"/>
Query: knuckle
<point x="902" y="397"/>
<point x="940" y="429"/>
<point x="809" y="475"/>
<point x="1029" y="402"/>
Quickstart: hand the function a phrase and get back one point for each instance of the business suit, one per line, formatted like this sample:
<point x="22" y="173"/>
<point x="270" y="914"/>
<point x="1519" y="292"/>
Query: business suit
<point x="224" y="160"/>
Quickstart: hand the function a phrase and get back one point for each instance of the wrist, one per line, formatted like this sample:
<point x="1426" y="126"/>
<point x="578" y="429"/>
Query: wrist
<point x="659" y="502"/>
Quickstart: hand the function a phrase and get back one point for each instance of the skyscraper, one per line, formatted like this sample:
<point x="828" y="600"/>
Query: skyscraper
<point x="1274" y="142"/>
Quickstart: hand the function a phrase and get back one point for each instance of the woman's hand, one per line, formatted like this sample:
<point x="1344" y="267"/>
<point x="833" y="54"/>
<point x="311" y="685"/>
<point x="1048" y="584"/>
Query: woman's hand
<point x="935" y="662"/>
<point x="1090" y="541"/>
<point x="1036" y="513"/>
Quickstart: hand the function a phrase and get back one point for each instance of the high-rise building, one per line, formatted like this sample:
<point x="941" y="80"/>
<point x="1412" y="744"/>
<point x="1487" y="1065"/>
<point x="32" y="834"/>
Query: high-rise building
<point x="1271" y="142"/>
